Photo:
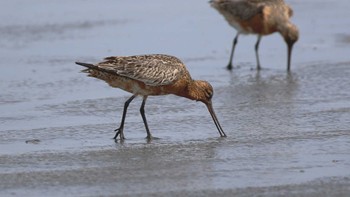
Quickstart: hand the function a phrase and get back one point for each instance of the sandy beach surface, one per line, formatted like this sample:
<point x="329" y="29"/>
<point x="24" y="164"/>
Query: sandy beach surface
<point x="288" y="133"/>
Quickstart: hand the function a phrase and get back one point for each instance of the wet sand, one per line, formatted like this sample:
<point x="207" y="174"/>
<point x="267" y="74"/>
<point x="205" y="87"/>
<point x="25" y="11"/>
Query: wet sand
<point x="288" y="134"/>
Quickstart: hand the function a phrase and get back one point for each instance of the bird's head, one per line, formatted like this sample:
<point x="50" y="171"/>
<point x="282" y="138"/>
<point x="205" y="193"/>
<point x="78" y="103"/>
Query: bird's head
<point x="201" y="91"/>
<point x="290" y="34"/>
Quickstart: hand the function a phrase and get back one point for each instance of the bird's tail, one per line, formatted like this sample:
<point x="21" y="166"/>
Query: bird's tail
<point x="94" y="67"/>
<point x="88" y="66"/>
<point x="91" y="66"/>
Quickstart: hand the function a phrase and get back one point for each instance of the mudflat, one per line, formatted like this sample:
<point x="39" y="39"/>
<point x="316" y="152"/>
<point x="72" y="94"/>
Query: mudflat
<point x="288" y="133"/>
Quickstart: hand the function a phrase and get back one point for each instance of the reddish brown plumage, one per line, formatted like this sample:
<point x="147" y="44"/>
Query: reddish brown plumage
<point x="152" y="75"/>
<point x="261" y="17"/>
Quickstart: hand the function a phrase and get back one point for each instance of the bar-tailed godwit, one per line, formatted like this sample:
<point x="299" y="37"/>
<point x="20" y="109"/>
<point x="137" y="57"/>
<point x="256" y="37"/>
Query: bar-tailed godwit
<point x="151" y="75"/>
<point x="261" y="17"/>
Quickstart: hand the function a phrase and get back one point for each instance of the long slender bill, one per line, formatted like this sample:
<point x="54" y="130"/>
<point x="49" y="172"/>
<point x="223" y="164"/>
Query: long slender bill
<point x="290" y="48"/>
<point x="215" y="119"/>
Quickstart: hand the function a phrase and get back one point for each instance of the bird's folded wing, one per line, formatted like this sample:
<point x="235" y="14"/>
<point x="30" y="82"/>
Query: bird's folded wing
<point x="153" y="70"/>
<point x="242" y="10"/>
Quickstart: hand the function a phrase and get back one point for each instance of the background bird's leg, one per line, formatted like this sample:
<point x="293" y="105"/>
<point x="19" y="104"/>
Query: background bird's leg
<point x="120" y="129"/>
<point x="142" y="111"/>
<point x="257" y="52"/>
<point x="235" y="40"/>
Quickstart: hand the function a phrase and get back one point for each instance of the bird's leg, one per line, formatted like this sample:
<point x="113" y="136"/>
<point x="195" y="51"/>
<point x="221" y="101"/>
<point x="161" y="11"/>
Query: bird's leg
<point x="257" y="52"/>
<point x="142" y="111"/>
<point x="120" y="129"/>
<point x="235" y="40"/>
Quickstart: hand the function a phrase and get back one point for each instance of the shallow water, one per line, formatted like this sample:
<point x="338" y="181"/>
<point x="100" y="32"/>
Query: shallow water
<point x="287" y="132"/>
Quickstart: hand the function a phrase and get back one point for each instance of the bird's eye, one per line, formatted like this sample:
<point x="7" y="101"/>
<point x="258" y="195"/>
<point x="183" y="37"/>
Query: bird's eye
<point x="209" y="95"/>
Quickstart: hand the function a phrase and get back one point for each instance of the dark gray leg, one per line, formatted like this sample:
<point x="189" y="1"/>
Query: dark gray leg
<point x="235" y="40"/>
<point x="121" y="128"/>
<point x="142" y="111"/>
<point x="257" y="52"/>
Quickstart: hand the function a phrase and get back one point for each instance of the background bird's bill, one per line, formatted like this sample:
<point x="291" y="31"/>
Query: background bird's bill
<point x="290" y="48"/>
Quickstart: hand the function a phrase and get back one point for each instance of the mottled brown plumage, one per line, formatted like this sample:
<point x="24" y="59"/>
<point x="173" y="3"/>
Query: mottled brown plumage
<point x="261" y="17"/>
<point x="151" y="75"/>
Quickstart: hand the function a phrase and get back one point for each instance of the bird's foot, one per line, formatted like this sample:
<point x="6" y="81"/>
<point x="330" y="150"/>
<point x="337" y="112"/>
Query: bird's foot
<point x="149" y="138"/>
<point x="119" y="132"/>
<point x="229" y="66"/>
<point x="258" y="67"/>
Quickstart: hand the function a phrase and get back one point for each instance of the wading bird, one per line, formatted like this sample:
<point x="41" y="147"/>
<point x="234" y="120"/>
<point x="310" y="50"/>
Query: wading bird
<point x="261" y="17"/>
<point x="151" y="75"/>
